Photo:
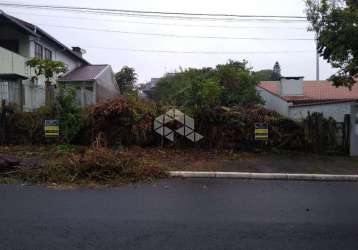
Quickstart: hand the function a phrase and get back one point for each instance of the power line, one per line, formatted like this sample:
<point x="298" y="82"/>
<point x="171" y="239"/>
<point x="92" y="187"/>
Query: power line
<point x="203" y="52"/>
<point x="165" y="24"/>
<point x="148" y="12"/>
<point x="179" y="36"/>
<point x="160" y="14"/>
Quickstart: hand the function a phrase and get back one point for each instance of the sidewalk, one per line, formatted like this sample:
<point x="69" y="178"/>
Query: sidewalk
<point x="288" y="163"/>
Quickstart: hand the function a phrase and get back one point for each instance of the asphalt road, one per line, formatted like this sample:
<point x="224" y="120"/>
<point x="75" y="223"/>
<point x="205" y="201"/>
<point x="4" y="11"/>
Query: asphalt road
<point x="182" y="214"/>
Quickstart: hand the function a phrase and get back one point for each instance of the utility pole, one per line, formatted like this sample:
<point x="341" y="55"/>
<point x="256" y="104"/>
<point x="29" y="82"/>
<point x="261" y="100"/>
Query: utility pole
<point x="317" y="54"/>
<point x="317" y="58"/>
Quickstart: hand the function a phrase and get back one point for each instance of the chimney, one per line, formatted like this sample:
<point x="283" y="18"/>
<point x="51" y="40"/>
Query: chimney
<point x="78" y="51"/>
<point x="291" y="86"/>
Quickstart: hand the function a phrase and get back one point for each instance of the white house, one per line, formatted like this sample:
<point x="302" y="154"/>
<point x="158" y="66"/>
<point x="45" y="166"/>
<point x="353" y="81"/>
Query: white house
<point x="294" y="98"/>
<point x="20" y="41"/>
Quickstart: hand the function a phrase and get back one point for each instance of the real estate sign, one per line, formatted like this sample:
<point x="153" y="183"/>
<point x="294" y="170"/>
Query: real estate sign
<point x="52" y="128"/>
<point x="261" y="131"/>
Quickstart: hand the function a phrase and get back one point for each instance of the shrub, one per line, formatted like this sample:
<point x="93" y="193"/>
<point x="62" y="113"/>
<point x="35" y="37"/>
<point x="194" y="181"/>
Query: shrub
<point x="233" y="128"/>
<point x="69" y="114"/>
<point x="24" y="128"/>
<point x="123" y="121"/>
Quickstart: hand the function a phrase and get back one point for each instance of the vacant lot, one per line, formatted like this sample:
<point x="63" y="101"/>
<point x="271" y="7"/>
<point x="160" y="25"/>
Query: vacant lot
<point x="80" y="165"/>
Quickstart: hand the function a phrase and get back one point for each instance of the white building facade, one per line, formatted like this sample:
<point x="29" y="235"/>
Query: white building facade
<point x="20" y="41"/>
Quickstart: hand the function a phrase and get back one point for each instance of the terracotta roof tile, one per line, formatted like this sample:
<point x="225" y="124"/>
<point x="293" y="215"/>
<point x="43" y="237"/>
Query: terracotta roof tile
<point x="315" y="91"/>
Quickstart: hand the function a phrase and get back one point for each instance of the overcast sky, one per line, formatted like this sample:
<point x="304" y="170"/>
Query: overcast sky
<point x="104" y="47"/>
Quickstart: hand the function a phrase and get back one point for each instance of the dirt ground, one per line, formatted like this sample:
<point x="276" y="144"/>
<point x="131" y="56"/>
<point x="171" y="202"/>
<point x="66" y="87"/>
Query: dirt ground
<point x="202" y="160"/>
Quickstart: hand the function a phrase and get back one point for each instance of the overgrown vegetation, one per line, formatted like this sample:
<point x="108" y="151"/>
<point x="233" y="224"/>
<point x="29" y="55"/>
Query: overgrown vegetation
<point x="28" y="127"/>
<point x="69" y="114"/>
<point x="123" y="121"/>
<point x="223" y="101"/>
<point x="94" y="165"/>
<point x="229" y="84"/>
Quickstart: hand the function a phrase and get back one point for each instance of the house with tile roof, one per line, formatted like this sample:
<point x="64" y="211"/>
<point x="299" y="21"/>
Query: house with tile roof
<point x="294" y="98"/>
<point x="20" y="41"/>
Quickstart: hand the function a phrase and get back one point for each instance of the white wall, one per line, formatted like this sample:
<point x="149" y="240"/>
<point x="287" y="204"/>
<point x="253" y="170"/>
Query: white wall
<point x="34" y="93"/>
<point x="291" y="87"/>
<point x="58" y="54"/>
<point x="106" y="85"/>
<point x="273" y="102"/>
<point x="334" y="110"/>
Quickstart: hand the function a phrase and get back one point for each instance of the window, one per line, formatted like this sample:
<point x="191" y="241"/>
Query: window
<point x="4" y="91"/>
<point x="38" y="51"/>
<point x="48" y="54"/>
<point x="10" y="91"/>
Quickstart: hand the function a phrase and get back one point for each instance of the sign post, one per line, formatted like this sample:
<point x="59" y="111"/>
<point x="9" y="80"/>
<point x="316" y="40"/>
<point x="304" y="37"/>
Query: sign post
<point x="261" y="132"/>
<point x="52" y="128"/>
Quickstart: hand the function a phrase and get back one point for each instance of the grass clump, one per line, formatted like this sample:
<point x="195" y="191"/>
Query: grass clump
<point x="92" y="166"/>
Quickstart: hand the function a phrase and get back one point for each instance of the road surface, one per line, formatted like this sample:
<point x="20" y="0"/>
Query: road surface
<point x="182" y="214"/>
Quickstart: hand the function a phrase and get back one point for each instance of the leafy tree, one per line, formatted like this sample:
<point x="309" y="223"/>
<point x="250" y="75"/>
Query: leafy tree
<point x="239" y="84"/>
<point x="49" y="69"/>
<point x="336" y="23"/>
<point x="263" y="75"/>
<point x="191" y="88"/>
<point x="276" y="72"/>
<point x="126" y="79"/>
<point x="227" y="84"/>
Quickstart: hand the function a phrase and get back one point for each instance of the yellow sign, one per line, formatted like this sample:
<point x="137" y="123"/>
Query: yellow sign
<point x="261" y="132"/>
<point x="52" y="128"/>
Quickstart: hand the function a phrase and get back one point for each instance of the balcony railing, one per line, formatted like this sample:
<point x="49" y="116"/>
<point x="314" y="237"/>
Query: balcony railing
<point x="12" y="64"/>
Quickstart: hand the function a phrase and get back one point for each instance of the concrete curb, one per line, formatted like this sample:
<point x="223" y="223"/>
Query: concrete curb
<point x="264" y="176"/>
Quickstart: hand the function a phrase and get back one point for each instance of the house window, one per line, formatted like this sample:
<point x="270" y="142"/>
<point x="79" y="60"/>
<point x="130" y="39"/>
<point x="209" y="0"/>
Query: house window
<point x="48" y="54"/>
<point x="10" y="91"/>
<point x="4" y="91"/>
<point x="38" y="51"/>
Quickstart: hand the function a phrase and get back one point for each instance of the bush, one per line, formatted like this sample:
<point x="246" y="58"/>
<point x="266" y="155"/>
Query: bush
<point x="233" y="128"/>
<point x="28" y="127"/>
<point x="24" y="128"/>
<point x="123" y="121"/>
<point x="69" y="114"/>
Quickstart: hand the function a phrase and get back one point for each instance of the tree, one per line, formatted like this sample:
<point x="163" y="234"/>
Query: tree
<point x="49" y="69"/>
<point x="126" y="78"/>
<point x="263" y="75"/>
<point x="193" y="89"/>
<point x="276" y="72"/>
<point x="239" y="84"/>
<point x="336" y="23"/>
<point x="227" y="84"/>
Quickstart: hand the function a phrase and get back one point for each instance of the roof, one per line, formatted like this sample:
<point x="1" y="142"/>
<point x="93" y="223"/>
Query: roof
<point x="84" y="73"/>
<point x="38" y="32"/>
<point x="315" y="92"/>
